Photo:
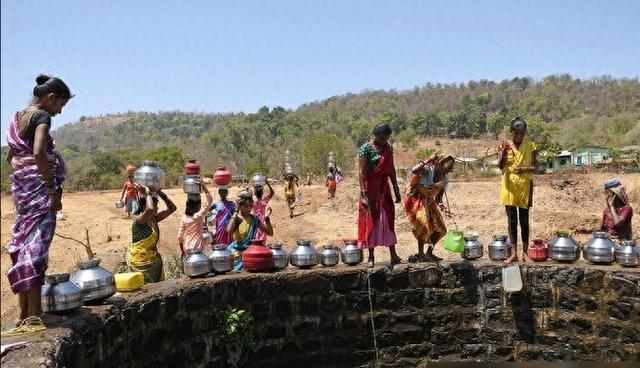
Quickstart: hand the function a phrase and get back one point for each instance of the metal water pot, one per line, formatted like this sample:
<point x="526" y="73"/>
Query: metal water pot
<point x="628" y="254"/>
<point x="196" y="264"/>
<point x="600" y="248"/>
<point x="472" y="247"/>
<point x="95" y="282"/>
<point x="499" y="248"/>
<point x="329" y="256"/>
<point x="304" y="254"/>
<point x="563" y="248"/>
<point x="58" y="294"/>
<point x="207" y="237"/>
<point x="280" y="257"/>
<point x="190" y="185"/>
<point x="150" y="175"/>
<point x="351" y="254"/>
<point x="221" y="259"/>
<point x="258" y="180"/>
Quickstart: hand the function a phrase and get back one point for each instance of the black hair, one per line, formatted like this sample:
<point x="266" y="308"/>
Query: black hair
<point x="142" y="204"/>
<point x="331" y="169"/>
<point x="516" y="123"/>
<point x="382" y="129"/>
<point x="46" y="84"/>
<point x="192" y="207"/>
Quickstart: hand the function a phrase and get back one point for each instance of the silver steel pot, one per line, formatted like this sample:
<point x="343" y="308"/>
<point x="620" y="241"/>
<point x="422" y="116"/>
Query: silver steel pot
<point x="499" y="248"/>
<point x="280" y="257"/>
<point x="196" y="264"/>
<point x="150" y="175"/>
<point x="190" y="185"/>
<point x="258" y="180"/>
<point x="221" y="259"/>
<point x="58" y="294"/>
<point x="304" y="255"/>
<point x="600" y="248"/>
<point x="95" y="282"/>
<point x="207" y="237"/>
<point x="329" y="256"/>
<point x="351" y="254"/>
<point x="628" y="254"/>
<point x="119" y="204"/>
<point x="472" y="247"/>
<point x="564" y="248"/>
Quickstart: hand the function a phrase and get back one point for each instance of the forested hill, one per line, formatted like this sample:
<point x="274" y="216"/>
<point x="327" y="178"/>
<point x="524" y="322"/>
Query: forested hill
<point x="563" y="112"/>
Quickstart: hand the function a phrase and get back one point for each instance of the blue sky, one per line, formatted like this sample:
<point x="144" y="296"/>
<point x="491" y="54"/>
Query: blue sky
<point x="215" y="56"/>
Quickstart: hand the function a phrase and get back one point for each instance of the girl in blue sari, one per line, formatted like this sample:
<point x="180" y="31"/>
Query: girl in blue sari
<point x="244" y="225"/>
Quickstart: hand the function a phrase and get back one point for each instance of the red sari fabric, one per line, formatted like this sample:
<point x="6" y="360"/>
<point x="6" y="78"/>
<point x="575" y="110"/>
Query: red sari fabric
<point x="376" y="226"/>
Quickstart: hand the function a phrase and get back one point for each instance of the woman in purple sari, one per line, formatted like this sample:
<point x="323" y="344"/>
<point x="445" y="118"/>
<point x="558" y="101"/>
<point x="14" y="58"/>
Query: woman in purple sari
<point x="38" y="173"/>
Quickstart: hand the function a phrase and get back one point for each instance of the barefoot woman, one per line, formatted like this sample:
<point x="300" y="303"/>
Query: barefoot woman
<point x="376" y="212"/>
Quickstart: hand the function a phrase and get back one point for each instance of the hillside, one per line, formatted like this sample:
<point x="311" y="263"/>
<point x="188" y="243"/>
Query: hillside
<point x="562" y="112"/>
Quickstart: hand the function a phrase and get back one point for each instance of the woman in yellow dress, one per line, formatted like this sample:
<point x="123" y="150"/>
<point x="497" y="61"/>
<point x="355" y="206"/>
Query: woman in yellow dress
<point x="517" y="158"/>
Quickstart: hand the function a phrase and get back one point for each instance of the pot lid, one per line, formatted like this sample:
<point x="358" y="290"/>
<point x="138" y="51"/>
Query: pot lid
<point x="601" y="234"/>
<point x="471" y="237"/>
<point x="275" y="246"/>
<point x="220" y="247"/>
<point x="194" y="251"/>
<point x="304" y="242"/>
<point x="349" y="241"/>
<point x="628" y="243"/>
<point x="57" y="278"/>
<point x="88" y="264"/>
<point x="500" y="237"/>
<point x="328" y="246"/>
<point x="149" y="163"/>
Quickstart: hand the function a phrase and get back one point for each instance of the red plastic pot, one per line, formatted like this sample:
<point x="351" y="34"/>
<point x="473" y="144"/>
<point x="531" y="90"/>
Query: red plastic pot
<point x="222" y="176"/>
<point x="538" y="251"/>
<point x="258" y="257"/>
<point x="192" y="168"/>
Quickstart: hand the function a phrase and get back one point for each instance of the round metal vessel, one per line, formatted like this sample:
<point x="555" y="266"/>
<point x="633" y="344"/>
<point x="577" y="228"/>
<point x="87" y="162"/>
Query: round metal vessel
<point x="58" y="294"/>
<point x="95" y="282"/>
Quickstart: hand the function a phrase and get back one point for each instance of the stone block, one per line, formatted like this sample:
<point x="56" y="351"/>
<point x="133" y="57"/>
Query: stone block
<point x="441" y="337"/>
<point x="631" y="335"/>
<point x="260" y="311"/>
<point x="398" y="279"/>
<point x="387" y="338"/>
<point x="568" y="299"/>
<point x="281" y="309"/>
<point x="332" y="303"/>
<point x="570" y="277"/>
<point x="149" y="311"/>
<point x="170" y="306"/>
<point x="413" y="298"/>
<point x="307" y="283"/>
<point x="623" y="287"/>
<point x="541" y="297"/>
<point x="309" y="305"/>
<point x="589" y="302"/>
<point x="490" y="275"/>
<point x="383" y="319"/>
<point x="353" y="322"/>
<point x="437" y="298"/>
<point x="504" y="352"/>
<point x="620" y="310"/>
<point x="581" y="325"/>
<point x="224" y="292"/>
<point x="539" y="276"/>
<point x="275" y="331"/>
<point x="491" y="335"/>
<point x="466" y="335"/>
<point x="492" y="303"/>
<point x="464" y="296"/>
<point x="415" y="350"/>
<point x="304" y="328"/>
<point x="197" y="349"/>
<point x="378" y="279"/>
<point x="476" y="351"/>
<point x="359" y="301"/>
<point x="410" y="333"/>
<point x="609" y="331"/>
<point x="352" y="280"/>
<point x="593" y="280"/>
<point x="425" y="277"/>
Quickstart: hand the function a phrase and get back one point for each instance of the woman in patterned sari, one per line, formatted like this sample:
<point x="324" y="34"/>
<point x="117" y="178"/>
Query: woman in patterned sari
<point x="142" y="254"/>
<point x="38" y="173"/>
<point x="244" y="226"/>
<point x="224" y="208"/>
<point x="423" y="202"/>
<point x="376" y="211"/>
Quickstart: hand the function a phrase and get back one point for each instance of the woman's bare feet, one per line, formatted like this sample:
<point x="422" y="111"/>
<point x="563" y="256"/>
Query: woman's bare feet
<point x="512" y="258"/>
<point x="396" y="260"/>
<point x="525" y="258"/>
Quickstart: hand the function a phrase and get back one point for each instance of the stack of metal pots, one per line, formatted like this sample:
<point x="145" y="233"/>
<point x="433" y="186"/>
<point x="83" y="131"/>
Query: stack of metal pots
<point x="196" y="264"/>
<point x="95" y="282"/>
<point x="499" y="248"/>
<point x="628" y="254"/>
<point x="221" y="259"/>
<point x="563" y="247"/>
<point x="600" y="249"/>
<point x="191" y="179"/>
<point x="304" y="255"/>
<point x="473" y="248"/>
<point x="329" y="255"/>
<point x="350" y="253"/>
<point x="280" y="257"/>
<point x="150" y="175"/>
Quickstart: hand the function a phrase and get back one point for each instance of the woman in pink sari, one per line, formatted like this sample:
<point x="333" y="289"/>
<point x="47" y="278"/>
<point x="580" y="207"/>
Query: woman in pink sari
<point x="38" y="173"/>
<point x="376" y="210"/>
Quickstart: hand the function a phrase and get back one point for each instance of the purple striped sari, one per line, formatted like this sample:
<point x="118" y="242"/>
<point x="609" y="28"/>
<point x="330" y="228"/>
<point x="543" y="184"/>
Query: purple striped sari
<point x="35" y="221"/>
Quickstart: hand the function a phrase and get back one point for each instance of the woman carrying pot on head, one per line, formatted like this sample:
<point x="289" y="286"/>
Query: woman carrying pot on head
<point x="617" y="214"/>
<point x="260" y="206"/>
<point x="331" y="183"/>
<point x="291" y="191"/>
<point x="142" y="254"/>
<point x="221" y="212"/>
<point x="423" y="202"/>
<point x="376" y="212"/>
<point x="517" y="158"/>
<point x="244" y="226"/>
<point x="192" y="223"/>
<point x="38" y="173"/>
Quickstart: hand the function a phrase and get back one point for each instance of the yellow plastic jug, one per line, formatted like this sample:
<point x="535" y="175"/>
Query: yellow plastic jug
<point x="129" y="281"/>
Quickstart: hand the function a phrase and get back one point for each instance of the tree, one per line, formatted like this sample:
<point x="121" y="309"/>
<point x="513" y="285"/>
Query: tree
<point x="397" y="121"/>
<point x="408" y="138"/>
<point x="544" y="136"/>
<point x="427" y="123"/>
<point x="316" y="148"/>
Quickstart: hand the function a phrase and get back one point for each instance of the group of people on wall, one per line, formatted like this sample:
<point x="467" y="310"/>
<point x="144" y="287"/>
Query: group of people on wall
<point x="38" y="171"/>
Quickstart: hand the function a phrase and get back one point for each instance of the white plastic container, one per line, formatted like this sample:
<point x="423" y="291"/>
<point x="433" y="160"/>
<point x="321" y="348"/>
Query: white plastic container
<point x="511" y="279"/>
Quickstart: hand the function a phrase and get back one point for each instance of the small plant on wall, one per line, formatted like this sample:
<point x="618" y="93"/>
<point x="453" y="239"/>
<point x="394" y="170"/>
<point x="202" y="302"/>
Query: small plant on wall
<point x="235" y="334"/>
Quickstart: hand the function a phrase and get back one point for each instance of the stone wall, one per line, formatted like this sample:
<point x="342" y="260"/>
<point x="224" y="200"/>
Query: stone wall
<point x="320" y="318"/>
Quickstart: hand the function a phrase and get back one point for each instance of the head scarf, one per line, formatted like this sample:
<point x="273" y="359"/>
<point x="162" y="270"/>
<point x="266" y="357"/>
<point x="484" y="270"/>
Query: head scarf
<point x="621" y="193"/>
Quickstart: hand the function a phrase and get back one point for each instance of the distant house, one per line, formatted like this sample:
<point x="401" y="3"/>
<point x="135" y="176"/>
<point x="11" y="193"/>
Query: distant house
<point x="563" y="159"/>
<point x="590" y="155"/>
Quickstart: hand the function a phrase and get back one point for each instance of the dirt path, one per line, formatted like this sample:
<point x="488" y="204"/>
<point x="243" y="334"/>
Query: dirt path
<point x="474" y="204"/>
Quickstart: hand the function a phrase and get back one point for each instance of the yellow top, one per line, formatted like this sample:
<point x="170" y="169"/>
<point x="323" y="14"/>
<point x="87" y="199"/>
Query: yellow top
<point x="291" y="189"/>
<point x="143" y="249"/>
<point x="516" y="187"/>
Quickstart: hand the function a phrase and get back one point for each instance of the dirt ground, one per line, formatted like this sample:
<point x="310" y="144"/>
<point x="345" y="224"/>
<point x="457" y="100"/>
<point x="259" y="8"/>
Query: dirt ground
<point x="577" y="207"/>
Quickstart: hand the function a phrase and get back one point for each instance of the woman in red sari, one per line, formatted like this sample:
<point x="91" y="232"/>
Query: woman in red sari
<point x="376" y="211"/>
